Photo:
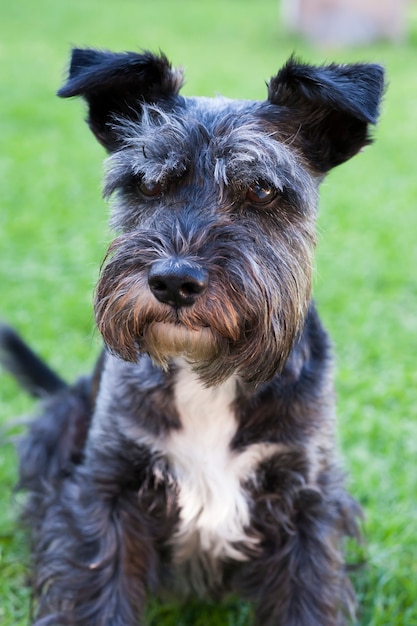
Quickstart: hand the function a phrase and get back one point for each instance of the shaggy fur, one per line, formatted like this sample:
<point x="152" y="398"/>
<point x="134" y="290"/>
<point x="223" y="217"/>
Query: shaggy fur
<point x="200" y="455"/>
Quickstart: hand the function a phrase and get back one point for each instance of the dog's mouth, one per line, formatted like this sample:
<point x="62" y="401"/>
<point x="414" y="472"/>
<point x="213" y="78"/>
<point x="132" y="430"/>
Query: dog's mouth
<point x="166" y="340"/>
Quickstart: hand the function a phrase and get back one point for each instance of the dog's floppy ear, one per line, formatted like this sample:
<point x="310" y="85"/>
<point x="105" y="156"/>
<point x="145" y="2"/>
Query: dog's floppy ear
<point x="114" y="85"/>
<point x="328" y="109"/>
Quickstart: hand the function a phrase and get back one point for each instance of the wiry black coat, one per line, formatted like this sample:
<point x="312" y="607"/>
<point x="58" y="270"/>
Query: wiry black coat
<point x="200" y="456"/>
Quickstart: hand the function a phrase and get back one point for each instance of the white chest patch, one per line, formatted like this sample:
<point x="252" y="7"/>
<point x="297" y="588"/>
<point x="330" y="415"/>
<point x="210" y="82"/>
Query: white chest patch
<point x="215" y="509"/>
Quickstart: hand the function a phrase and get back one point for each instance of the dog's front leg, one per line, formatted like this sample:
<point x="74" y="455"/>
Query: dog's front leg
<point x="298" y="577"/>
<point x="95" y="556"/>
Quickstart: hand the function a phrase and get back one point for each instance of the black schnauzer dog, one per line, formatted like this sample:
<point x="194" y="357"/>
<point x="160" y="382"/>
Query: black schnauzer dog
<point x="200" y="456"/>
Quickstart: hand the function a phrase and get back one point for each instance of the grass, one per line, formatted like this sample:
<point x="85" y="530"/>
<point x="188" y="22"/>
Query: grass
<point x="54" y="233"/>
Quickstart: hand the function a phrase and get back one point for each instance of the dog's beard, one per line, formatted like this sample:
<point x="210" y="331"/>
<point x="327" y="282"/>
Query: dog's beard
<point x="164" y="341"/>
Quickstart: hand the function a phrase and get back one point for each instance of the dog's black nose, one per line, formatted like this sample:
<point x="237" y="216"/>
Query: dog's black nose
<point x="177" y="282"/>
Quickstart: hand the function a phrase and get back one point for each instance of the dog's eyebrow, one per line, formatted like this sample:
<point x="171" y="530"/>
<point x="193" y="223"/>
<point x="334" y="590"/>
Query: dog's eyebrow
<point x="155" y="146"/>
<point x="123" y="170"/>
<point x="154" y="149"/>
<point x="247" y="153"/>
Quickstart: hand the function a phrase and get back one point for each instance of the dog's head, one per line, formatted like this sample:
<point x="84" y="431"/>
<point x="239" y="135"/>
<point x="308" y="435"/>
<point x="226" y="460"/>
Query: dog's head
<point x="215" y="205"/>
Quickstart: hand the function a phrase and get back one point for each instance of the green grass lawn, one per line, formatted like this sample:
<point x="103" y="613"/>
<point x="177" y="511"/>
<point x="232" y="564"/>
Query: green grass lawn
<point x="53" y="234"/>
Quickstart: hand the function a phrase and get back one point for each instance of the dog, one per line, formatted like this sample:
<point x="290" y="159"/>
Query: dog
<point x="199" y="457"/>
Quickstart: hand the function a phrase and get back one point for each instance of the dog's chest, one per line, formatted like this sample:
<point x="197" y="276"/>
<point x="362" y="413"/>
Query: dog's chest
<point x="214" y="506"/>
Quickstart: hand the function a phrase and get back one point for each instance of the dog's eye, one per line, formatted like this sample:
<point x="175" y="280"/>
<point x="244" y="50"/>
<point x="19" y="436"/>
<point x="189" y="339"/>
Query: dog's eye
<point x="261" y="192"/>
<point x="150" y="190"/>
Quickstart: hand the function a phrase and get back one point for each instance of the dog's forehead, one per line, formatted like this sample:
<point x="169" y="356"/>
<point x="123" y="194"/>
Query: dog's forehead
<point x="187" y="120"/>
<point x="218" y="106"/>
<point x="219" y="128"/>
<point x="220" y="115"/>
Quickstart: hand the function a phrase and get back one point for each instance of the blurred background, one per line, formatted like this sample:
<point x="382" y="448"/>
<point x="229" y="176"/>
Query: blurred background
<point x="53" y="234"/>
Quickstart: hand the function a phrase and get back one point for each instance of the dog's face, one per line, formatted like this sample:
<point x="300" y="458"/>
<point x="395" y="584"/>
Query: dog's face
<point x="214" y="259"/>
<point x="215" y="205"/>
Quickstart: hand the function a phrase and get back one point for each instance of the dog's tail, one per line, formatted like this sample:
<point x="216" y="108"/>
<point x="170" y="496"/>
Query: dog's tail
<point x="28" y="369"/>
<point x="55" y="439"/>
